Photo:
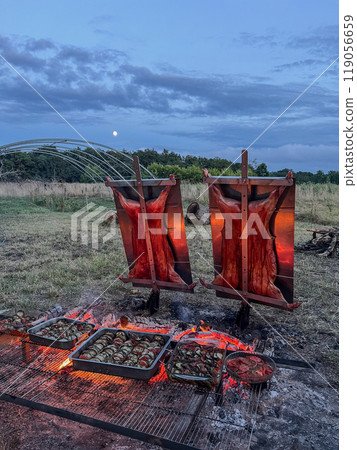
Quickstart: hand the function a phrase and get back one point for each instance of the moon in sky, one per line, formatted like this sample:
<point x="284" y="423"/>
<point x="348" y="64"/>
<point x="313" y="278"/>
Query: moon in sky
<point x="115" y="133"/>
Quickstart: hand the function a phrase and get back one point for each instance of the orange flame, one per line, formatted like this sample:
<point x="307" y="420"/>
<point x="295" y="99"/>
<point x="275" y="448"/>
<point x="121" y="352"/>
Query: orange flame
<point x="230" y="383"/>
<point x="65" y="363"/>
<point x="234" y="344"/>
<point x="73" y="313"/>
<point x="129" y="326"/>
<point x="72" y="316"/>
<point x="160" y="376"/>
<point x="184" y="333"/>
<point x="88" y="316"/>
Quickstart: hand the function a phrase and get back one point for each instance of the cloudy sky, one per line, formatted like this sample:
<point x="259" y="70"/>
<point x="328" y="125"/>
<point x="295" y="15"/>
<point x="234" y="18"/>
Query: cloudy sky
<point x="193" y="76"/>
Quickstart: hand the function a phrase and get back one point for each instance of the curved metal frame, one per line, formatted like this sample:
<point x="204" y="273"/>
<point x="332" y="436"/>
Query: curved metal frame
<point x="72" y="145"/>
<point x="78" y="165"/>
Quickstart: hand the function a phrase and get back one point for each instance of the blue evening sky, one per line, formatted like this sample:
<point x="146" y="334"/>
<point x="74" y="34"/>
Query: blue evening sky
<point x="195" y="77"/>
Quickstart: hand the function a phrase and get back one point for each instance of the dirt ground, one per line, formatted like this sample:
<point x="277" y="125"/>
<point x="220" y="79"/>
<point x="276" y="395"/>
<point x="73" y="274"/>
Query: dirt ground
<point x="42" y="431"/>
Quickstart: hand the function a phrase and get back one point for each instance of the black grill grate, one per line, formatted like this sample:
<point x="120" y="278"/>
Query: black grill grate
<point x="168" y="414"/>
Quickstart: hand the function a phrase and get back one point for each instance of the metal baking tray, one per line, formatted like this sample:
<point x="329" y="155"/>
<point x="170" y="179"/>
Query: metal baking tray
<point x="117" y="369"/>
<point x="6" y="314"/>
<point x="204" y="381"/>
<point x="52" y="342"/>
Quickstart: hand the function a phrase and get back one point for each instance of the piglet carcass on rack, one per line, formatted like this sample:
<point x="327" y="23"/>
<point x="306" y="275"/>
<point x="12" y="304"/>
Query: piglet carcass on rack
<point x="252" y="222"/>
<point x="152" y="227"/>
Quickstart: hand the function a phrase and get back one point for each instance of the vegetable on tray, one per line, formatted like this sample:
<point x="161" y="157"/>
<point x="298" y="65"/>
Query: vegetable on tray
<point x="126" y="349"/>
<point x="197" y="362"/>
<point x="18" y="323"/>
<point x="64" y="331"/>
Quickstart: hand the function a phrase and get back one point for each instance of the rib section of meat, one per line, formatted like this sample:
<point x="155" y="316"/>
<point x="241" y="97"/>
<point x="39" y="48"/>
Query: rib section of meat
<point x="262" y="259"/>
<point x="164" y="260"/>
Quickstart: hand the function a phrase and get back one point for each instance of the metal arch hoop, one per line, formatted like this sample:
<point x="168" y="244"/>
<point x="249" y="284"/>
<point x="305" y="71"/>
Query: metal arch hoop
<point x="78" y="165"/>
<point x="70" y="145"/>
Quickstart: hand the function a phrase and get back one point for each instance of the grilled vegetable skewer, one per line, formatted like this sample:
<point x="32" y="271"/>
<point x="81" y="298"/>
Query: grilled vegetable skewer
<point x="125" y="349"/>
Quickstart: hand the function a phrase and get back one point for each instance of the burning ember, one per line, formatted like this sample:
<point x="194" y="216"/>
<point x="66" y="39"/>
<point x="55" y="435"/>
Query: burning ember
<point x="201" y="331"/>
<point x="237" y="386"/>
<point x="124" y="323"/>
<point x="233" y="344"/>
<point x="87" y="317"/>
<point x="160" y="376"/>
<point x="65" y="363"/>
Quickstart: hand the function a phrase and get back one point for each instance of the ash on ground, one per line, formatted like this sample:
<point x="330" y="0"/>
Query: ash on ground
<point x="298" y="411"/>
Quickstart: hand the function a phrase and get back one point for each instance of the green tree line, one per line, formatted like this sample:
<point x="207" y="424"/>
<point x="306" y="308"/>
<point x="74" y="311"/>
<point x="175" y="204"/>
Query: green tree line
<point x="54" y="167"/>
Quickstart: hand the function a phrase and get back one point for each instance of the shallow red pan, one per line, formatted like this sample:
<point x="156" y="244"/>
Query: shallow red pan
<point x="251" y="379"/>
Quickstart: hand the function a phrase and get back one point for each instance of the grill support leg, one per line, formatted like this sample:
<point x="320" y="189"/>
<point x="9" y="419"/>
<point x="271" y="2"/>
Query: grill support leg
<point x="26" y="351"/>
<point x="243" y="316"/>
<point x="219" y="392"/>
<point x="154" y="301"/>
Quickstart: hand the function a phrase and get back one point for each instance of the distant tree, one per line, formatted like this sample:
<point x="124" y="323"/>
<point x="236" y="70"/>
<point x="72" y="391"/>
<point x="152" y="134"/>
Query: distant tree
<point x="320" y="177"/>
<point x="333" y="176"/>
<point x="262" y="170"/>
<point x="279" y="173"/>
<point x="225" y="173"/>
<point x="157" y="169"/>
<point x="193" y="174"/>
<point x="47" y="167"/>
<point x="189" y="160"/>
<point x="92" y="173"/>
<point x="6" y="174"/>
<point x="304" y="177"/>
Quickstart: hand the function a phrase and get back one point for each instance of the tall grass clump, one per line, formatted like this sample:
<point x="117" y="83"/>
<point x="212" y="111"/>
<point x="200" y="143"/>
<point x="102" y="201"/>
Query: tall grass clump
<point x="59" y="203"/>
<point x="39" y="188"/>
<point x="317" y="203"/>
<point x="197" y="192"/>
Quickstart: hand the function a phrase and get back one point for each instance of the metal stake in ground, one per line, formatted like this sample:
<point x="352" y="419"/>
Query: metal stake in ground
<point x="243" y="315"/>
<point x="154" y="299"/>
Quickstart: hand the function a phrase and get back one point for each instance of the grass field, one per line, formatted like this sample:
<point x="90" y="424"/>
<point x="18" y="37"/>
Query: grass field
<point x="314" y="202"/>
<point x="41" y="266"/>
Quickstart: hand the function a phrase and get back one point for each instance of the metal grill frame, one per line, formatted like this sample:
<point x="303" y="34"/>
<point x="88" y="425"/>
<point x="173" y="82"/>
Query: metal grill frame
<point x="171" y="415"/>
<point x="286" y="208"/>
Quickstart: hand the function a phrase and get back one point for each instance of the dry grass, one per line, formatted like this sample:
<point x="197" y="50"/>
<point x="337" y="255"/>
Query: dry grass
<point x="314" y="202"/>
<point x="317" y="203"/>
<point x="34" y="189"/>
<point x="194" y="192"/>
<point x="40" y="265"/>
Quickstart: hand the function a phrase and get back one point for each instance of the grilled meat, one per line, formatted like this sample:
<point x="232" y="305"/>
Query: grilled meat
<point x="162" y="248"/>
<point x="248" y="366"/>
<point x="261" y="245"/>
